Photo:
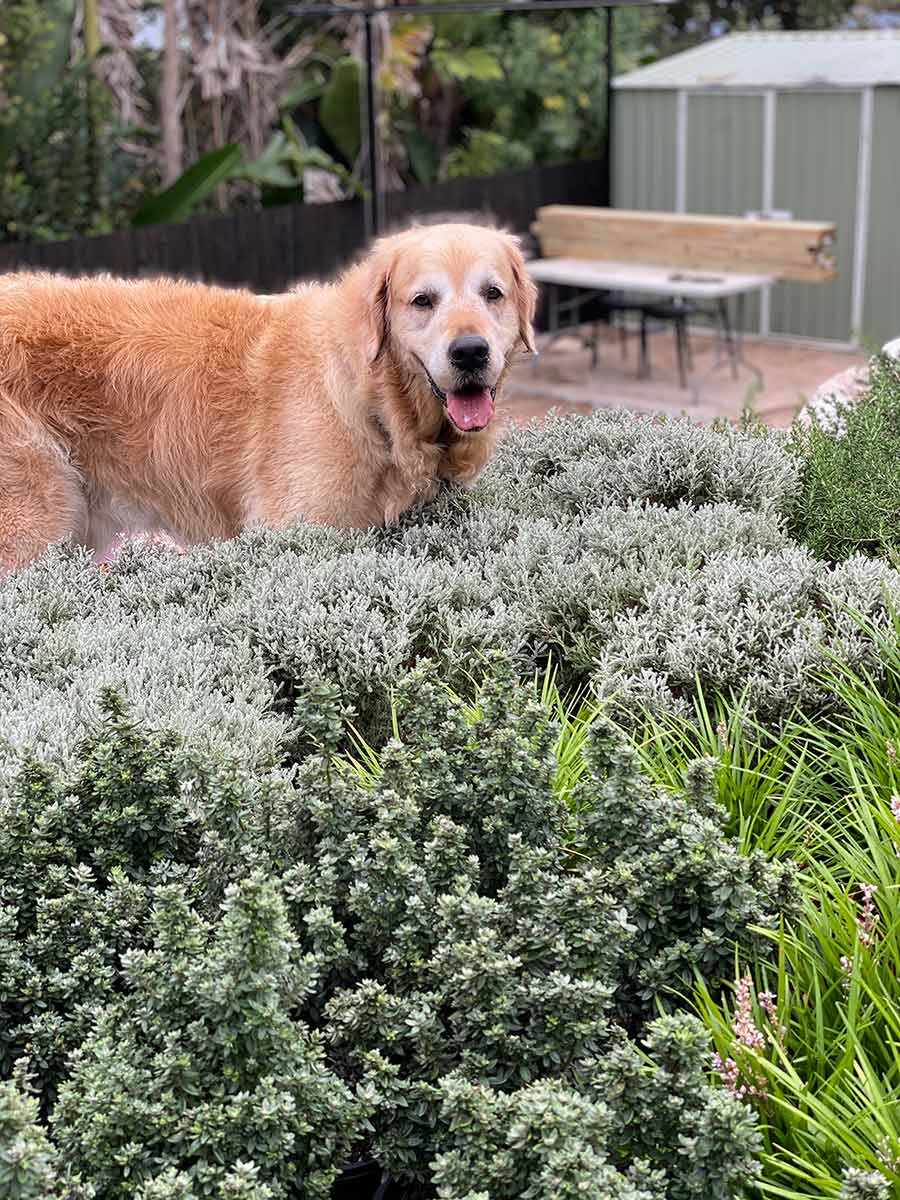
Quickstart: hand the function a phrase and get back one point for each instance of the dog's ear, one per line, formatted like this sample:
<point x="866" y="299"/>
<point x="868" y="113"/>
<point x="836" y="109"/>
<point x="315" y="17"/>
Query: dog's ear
<point x="526" y="295"/>
<point x="380" y="317"/>
<point x="379" y="302"/>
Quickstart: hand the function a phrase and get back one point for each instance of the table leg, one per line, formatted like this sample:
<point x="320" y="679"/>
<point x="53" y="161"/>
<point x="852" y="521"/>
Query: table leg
<point x="680" y="348"/>
<point x="728" y="332"/>
<point x="734" y="345"/>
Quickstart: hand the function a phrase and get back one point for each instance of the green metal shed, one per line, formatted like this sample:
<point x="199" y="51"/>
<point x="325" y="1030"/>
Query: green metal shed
<point x="801" y="123"/>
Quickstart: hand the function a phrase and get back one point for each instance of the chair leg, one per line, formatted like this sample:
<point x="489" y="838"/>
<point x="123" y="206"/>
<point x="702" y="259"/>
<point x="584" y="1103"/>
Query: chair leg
<point x="623" y="335"/>
<point x="595" y="345"/>
<point x="644" y="364"/>
<point x="680" y="350"/>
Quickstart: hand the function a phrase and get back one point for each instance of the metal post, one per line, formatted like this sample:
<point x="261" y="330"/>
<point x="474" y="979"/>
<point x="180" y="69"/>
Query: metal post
<point x="374" y="201"/>
<point x="610" y="71"/>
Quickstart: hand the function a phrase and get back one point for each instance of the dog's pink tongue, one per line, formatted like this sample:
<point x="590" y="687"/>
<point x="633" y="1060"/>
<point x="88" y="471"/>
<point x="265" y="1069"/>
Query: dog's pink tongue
<point x="470" y="410"/>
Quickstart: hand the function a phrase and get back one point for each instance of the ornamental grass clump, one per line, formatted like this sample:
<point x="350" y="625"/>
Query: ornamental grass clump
<point x="809" y="1038"/>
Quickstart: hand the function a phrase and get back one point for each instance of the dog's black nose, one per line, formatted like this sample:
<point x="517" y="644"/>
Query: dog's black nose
<point x="469" y="352"/>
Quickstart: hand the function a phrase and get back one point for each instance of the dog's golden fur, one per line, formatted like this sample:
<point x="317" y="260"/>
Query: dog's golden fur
<point x="201" y="410"/>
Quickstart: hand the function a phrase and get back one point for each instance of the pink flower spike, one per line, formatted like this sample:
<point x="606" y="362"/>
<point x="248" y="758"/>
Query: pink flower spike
<point x="741" y="1073"/>
<point x="867" y="920"/>
<point x="767" y="1003"/>
<point x="895" y="807"/>
<point x="730" y="1073"/>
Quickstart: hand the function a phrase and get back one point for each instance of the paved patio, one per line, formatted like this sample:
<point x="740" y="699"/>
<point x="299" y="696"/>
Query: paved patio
<point x="562" y="378"/>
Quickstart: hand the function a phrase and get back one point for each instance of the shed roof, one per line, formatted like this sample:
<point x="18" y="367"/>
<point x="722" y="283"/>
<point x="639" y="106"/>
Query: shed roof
<point x="845" y="59"/>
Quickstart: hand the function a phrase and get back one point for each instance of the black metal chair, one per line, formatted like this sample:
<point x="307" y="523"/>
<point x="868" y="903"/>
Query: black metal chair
<point x="678" y="312"/>
<point x="617" y="307"/>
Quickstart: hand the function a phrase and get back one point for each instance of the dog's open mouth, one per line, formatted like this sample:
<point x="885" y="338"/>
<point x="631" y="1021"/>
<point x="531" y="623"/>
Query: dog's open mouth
<point x="470" y="407"/>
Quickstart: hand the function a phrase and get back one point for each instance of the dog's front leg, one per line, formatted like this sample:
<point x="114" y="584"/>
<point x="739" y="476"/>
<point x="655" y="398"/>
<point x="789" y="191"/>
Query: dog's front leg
<point x="41" y="497"/>
<point x="463" y="459"/>
<point x="401" y="493"/>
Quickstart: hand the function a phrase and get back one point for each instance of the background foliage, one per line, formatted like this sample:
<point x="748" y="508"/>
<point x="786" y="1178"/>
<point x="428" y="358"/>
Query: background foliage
<point x="88" y="141"/>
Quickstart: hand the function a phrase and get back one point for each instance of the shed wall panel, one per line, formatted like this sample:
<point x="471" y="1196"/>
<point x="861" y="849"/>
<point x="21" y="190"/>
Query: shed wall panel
<point x="643" y="174"/>
<point x="725" y="148"/>
<point x="816" y="151"/>
<point x="881" y="308"/>
<point x="724" y="162"/>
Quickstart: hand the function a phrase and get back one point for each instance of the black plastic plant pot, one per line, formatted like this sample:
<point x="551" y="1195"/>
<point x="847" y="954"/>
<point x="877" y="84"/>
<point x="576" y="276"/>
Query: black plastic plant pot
<point x="364" y="1181"/>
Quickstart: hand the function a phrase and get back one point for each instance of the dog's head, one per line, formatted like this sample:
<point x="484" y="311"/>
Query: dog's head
<point x="450" y="304"/>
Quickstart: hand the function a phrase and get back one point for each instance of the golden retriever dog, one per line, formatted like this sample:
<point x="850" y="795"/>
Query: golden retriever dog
<point x="201" y="411"/>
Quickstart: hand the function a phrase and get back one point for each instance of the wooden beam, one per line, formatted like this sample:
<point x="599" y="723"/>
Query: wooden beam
<point x="797" y="250"/>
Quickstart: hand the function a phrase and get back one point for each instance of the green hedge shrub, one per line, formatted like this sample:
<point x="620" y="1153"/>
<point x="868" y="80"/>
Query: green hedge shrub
<point x="208" y="970"/>
<point x="198" y="1065"/>
<point x="849" y="496"/>
<point x="27" y="1160"/>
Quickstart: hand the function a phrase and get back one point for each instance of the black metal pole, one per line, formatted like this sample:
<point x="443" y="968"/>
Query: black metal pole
<point x="374" y="196"/>
<point x="610" y="72"/>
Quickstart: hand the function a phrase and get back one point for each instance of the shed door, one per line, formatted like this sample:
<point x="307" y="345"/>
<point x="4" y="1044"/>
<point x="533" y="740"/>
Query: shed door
<point x="724" y="168"/>
<point x="816" y="147"/>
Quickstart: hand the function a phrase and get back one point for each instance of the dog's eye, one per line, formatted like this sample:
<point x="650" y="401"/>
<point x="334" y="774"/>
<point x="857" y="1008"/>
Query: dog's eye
<point x="493" y="293"/>
<point x="422" y="300"/>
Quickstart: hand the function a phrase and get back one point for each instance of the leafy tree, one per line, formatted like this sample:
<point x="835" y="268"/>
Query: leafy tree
<point x="63" y="169"/>
<point x="688" y="22"/>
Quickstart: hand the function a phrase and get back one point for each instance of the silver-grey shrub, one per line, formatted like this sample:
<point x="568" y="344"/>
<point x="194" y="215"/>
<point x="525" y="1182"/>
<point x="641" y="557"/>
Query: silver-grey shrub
<point x="637" y="555"/>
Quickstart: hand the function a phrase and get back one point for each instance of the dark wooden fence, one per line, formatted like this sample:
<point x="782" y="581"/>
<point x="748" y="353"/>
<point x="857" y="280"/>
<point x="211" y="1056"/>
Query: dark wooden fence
<point x="267" y="249"/>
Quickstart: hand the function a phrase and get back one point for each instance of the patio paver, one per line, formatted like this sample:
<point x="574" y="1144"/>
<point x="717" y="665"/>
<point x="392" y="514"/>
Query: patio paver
<point x="562" y="378"/>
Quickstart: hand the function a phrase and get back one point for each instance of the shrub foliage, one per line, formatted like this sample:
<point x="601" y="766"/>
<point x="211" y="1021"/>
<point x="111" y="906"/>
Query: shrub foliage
<point x="271" y="972"/>
<point x="636" y="555"/>
<point x="849" y="501"/>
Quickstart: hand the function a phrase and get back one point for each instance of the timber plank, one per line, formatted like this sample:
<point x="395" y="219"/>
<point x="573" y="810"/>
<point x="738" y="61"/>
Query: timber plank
<point x="797" y="250"/>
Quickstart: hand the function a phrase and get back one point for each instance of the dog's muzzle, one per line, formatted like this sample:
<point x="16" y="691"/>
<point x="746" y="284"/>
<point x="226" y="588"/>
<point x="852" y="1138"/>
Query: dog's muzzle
<point x="470" y="406"/>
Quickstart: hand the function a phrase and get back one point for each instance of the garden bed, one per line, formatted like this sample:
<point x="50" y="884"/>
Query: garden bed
<point x="410" y="845"/>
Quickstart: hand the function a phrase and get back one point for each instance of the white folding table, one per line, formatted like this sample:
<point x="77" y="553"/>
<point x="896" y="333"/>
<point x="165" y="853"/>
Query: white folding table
<point x="677" y="283"/>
